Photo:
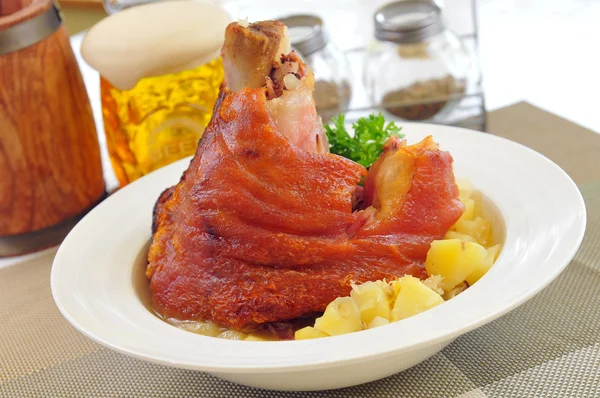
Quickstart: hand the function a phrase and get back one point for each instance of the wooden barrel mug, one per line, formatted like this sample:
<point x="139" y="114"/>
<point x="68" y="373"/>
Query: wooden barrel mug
<point x="50" y="167"/>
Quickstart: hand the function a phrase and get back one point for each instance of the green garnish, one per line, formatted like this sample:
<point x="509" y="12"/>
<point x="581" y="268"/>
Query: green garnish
<point x="370" y="133"/>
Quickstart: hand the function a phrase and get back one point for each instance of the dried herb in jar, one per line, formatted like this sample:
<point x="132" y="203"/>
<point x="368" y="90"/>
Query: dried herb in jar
<point x="424" y="99"/>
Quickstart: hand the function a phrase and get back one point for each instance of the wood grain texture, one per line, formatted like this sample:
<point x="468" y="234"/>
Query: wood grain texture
<point x="50" y="167"/>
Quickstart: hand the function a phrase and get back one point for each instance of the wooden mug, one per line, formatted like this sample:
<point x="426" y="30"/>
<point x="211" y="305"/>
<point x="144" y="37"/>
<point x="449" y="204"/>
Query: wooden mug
<point x="50" y="167"/>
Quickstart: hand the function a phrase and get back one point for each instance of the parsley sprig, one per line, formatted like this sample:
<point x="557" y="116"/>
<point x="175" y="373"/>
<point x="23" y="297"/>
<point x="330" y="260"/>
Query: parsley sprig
<point x="370" y="133"/>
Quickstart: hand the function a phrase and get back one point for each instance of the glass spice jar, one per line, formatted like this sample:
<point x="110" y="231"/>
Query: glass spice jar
<point x="417" y="69"/>
<point x="329" y="64"/>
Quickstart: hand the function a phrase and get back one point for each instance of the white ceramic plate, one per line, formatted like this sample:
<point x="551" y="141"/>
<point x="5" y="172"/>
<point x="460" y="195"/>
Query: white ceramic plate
<point x="98" y="282"/>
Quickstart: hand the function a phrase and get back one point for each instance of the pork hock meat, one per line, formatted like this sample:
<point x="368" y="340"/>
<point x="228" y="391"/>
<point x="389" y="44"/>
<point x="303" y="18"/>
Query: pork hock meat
<point x="262" y="226"/>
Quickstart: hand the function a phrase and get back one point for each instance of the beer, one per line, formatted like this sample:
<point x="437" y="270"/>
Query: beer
<point x="158" y="121"/>
<point x="160" y="73"/>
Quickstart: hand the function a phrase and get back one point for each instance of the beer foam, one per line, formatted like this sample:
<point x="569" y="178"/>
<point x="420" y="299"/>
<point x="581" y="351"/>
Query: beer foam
<point x="155" y="39"/>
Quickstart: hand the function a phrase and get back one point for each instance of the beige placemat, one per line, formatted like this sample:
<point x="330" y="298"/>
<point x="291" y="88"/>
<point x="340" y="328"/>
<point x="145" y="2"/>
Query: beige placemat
<point x="574" y="148"/>
<point x="549" y="347"/>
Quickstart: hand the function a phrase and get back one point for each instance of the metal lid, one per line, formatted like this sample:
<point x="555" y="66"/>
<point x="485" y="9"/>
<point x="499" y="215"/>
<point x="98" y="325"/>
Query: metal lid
<point x="408" y="21"/>
<point x="306" y="33"/>
<point x="30" y="31"/>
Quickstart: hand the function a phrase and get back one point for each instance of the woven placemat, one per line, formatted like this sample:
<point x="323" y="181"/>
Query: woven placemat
<point x="574" y="148"/>
<point x="549" y="347"/>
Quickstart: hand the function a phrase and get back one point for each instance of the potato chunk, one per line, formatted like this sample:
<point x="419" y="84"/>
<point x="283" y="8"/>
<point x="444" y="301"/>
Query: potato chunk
<point x="309" y="332"/>
<point x="372" y="300"/>
<point x="457" y="235"/>
<point x="454" y="260"/>
<point x="413" y="298"/>
<point x="469" y="213"/>
<point x="465" y="189"/>
<point x="378" y="321"/>
<point x="493" y="252"/>
<point x="477" y="228"/>
<point x="341" y="316"/>
<point x="484" y="266"/>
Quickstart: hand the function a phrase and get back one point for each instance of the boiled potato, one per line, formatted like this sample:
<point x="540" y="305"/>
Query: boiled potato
<point x="469" y="213"/>
<point x="413" y="298"/>
<point x="484" y="266"/>
<point x="372" y="300"/>
<point x="378" y="321"/>
<point x="309" y="332"/>
<point x="341" y="316"/>
<point x="469" y="223"/>
<point x="465" y="189"/>
<point x="454" y="260"/>
<point x="494" y="252"/>
<point x="457" y="235"/>
<point x="477" y="228"/>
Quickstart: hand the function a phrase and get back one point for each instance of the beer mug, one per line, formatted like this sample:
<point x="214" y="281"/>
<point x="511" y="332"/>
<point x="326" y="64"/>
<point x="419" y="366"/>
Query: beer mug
<point x="157" y="96"/>
<point x="158" y="121"/>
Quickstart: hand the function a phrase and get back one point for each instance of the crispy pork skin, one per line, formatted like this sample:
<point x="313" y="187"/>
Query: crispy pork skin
<point x="258" y="230"/>
<point x="267" y="226"/>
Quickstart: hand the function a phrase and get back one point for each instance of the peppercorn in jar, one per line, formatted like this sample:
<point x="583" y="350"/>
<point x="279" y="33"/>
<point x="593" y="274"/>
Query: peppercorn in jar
<point x="417" y="68"/>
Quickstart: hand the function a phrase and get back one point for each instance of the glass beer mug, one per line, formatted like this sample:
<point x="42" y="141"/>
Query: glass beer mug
<point x="159" y="81"/>
<point x="158" y="121"/>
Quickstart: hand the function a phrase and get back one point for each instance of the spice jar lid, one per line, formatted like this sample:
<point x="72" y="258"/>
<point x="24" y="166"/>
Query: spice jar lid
<point x="408" y="21"/>
<point x="306" y="33"/>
